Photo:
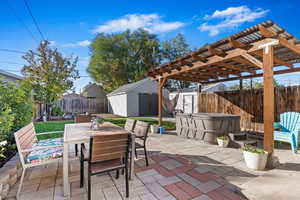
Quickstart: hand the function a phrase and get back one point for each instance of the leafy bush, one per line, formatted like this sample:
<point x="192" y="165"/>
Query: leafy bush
<point x="224" y="137"/>
<point x="16" y="111"/>
<point x="56" y="111"/>
<point x="253" y="149"/>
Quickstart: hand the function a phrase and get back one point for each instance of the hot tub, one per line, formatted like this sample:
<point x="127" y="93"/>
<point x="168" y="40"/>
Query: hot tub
<point x="206" y="126"/>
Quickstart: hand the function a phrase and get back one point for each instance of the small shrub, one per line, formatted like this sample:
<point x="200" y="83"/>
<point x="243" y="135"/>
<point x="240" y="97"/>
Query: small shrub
<point x="252" y="149"/>
<point x="224" y="137"/>
<point x="56" y="111"/>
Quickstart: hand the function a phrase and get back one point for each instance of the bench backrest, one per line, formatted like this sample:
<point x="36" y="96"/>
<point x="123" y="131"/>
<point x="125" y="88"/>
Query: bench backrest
<point x="130" y="124"/>
<point x="141" y="129"/>
<point x="290" y="121"/>
<point x="25" y="139"/>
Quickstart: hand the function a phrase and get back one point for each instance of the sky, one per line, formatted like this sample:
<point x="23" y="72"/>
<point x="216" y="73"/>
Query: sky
<point x="71" y="25"/>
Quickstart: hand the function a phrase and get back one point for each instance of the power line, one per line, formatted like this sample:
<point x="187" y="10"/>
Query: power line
<point x="13" y="51"/>
<point x="20" y="20"/>
<point x="33" y="18"/>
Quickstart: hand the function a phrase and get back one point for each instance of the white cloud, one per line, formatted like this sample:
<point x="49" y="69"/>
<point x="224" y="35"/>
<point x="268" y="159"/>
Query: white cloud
<point x="83" y="43"/>
<point x="52" y="43"/>
<point x="150" y="22"/>
<point x="231" y="17"/>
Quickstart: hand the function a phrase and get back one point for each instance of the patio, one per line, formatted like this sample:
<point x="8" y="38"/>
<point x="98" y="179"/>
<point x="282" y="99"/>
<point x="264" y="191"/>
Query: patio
<point x="179" y="169"/>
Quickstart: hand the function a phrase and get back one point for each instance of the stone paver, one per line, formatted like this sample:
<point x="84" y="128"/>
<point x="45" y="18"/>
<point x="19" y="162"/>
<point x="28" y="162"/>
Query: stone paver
<point x="179" y="169"/>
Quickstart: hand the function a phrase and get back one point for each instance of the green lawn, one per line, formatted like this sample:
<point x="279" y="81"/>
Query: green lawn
<point x="121" y="121"/>
<point x="59" y="125"/>
<point x="41" y="127"/>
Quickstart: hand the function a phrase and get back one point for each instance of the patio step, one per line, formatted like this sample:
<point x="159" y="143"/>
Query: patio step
<point x="238" y="136"/>
<point x="242" y="143"/>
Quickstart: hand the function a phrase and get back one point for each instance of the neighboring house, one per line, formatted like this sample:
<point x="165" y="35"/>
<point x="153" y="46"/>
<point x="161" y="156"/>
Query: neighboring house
<point x="10" y="77"/>
<point x="188" y="97"/>
<point x="135" y="99"/>
<point x="93" y="90"/>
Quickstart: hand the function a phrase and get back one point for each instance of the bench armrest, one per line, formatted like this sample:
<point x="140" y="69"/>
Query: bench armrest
<point x="52" y="132"/>
<point x="39" y="148"/>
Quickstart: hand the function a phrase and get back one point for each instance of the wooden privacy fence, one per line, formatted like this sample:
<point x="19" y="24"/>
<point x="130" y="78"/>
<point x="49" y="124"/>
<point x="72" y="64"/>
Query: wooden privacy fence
<point x="82" y="105"/>
<point x="248" y="104"/>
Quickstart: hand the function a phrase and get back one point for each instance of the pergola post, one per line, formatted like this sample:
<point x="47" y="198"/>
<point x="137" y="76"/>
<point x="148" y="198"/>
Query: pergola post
<point x="268" y="61"/>
<point x="161" y="83"/>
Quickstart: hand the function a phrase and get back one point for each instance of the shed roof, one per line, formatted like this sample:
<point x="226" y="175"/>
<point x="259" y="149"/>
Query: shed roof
<point x="235" y="57"/>
<point x="128" y="87"/>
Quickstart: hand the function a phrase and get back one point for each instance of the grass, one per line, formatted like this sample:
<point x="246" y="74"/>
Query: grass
<point x="121" y="121"/>
<point x="50" y="126"/>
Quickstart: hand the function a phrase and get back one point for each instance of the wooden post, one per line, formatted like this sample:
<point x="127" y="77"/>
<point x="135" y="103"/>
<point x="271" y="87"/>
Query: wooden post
<point x="241" y="84"/>
<point x="268" y="99"/>
<point x="161" y="83"/>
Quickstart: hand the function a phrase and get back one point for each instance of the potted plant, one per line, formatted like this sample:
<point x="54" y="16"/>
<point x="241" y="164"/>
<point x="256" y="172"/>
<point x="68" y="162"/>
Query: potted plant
<point x="255" y="158"/>
<point x="154" y="128"/>
<point x="223" y="141"/>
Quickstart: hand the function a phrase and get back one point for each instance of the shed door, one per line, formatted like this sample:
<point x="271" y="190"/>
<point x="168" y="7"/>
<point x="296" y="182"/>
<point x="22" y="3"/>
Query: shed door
<point x="148" y="104"/>
<point x="188" y="103"/>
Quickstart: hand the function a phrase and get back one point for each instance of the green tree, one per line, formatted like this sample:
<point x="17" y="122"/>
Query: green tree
<point x="49" y="74"/>
<point x="118" y="59"/>
<point x="255" y="85"/>
<point x="172" y="49"/>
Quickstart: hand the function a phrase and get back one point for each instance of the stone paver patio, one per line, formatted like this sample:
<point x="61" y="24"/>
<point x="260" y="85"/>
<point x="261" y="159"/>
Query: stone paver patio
<point x="179" y="169"/>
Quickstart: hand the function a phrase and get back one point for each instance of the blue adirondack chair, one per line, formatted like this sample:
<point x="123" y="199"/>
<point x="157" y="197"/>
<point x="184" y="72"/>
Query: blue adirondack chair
<point x="289" y="127"/>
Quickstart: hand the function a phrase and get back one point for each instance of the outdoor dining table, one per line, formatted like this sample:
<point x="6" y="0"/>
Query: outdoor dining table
<point x="80" y="133"/>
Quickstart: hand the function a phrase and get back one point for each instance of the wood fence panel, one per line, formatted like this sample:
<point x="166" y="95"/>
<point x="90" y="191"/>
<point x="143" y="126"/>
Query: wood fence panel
<point x="249" y="104"/>
<point x="82" y="105"/>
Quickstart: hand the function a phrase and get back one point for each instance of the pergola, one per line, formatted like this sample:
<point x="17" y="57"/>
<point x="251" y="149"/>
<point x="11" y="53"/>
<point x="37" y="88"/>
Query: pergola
<point x="263" y="50"/>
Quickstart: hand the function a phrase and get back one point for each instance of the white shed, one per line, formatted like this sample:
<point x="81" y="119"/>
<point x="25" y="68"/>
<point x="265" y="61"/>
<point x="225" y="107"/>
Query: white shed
<point x="188" y="98"/>
<point x="135" y="99"/>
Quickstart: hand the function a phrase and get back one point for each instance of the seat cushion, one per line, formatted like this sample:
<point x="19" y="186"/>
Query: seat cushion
<point x="50" y="142"/>
<point x="41" y="155"/>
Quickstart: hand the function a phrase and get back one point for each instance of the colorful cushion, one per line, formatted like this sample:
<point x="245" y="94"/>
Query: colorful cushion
<point x="50" y="142"/>
<point x="41" y="155"/>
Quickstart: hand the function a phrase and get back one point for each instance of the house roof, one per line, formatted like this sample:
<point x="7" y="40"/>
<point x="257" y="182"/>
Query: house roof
<point x="90" y="85"/>
<point x="203" y="89"/>
<point x="128" y="87"/>
<point x="5" y="73"/>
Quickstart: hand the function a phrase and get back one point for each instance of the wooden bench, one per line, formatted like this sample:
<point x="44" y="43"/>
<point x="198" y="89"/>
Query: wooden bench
<point x="33" y="152"/>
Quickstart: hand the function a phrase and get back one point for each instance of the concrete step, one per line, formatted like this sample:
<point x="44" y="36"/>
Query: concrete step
<point x="242" y="143"/>
<point x="238" y="136"/>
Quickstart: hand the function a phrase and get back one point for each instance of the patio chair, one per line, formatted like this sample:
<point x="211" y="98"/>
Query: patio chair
<point x="289" y="127"/>
<point x="129" y="125"/>
<point x="35" y="153"/>
<point x="141" y="133"/>
<point x="81" y="118"/>
<point x="106" y="153"/>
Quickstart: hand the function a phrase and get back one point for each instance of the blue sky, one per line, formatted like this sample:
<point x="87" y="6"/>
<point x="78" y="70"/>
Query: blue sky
<point x="70" y="25"/>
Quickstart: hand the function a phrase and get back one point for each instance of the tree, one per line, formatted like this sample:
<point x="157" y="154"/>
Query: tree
<point x="255" y="85"/>
<point x="49" y="73"/>
<point x="172" y="49"/>
<point x="118" y="59"/>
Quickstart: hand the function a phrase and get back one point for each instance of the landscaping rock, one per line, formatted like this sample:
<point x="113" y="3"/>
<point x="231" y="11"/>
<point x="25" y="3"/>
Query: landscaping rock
<point x="5" y="191"/>
<point x="4" y="178"/>
<point x="13" y="180"/>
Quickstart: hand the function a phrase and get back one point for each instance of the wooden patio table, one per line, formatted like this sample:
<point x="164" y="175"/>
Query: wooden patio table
<point x="80" y="133"/>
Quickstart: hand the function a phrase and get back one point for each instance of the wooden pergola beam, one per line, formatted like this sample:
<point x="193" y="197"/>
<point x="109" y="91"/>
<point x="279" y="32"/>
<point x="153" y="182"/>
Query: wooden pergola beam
<point x="161" y="83"/>
<point x="216" y="52"/>
<point x="233" y="67"/>
<point x="285" y="71"/>
<point x="253" y="60"/>
<point x="236" y="44"/>
<point x="198" y="58"/>
<point x="276" y="60"/>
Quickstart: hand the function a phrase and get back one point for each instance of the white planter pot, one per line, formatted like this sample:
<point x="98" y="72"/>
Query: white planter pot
<point x="223" y="143"/>
<point x="255" y="161"/>
<point x="154" y="128"/>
